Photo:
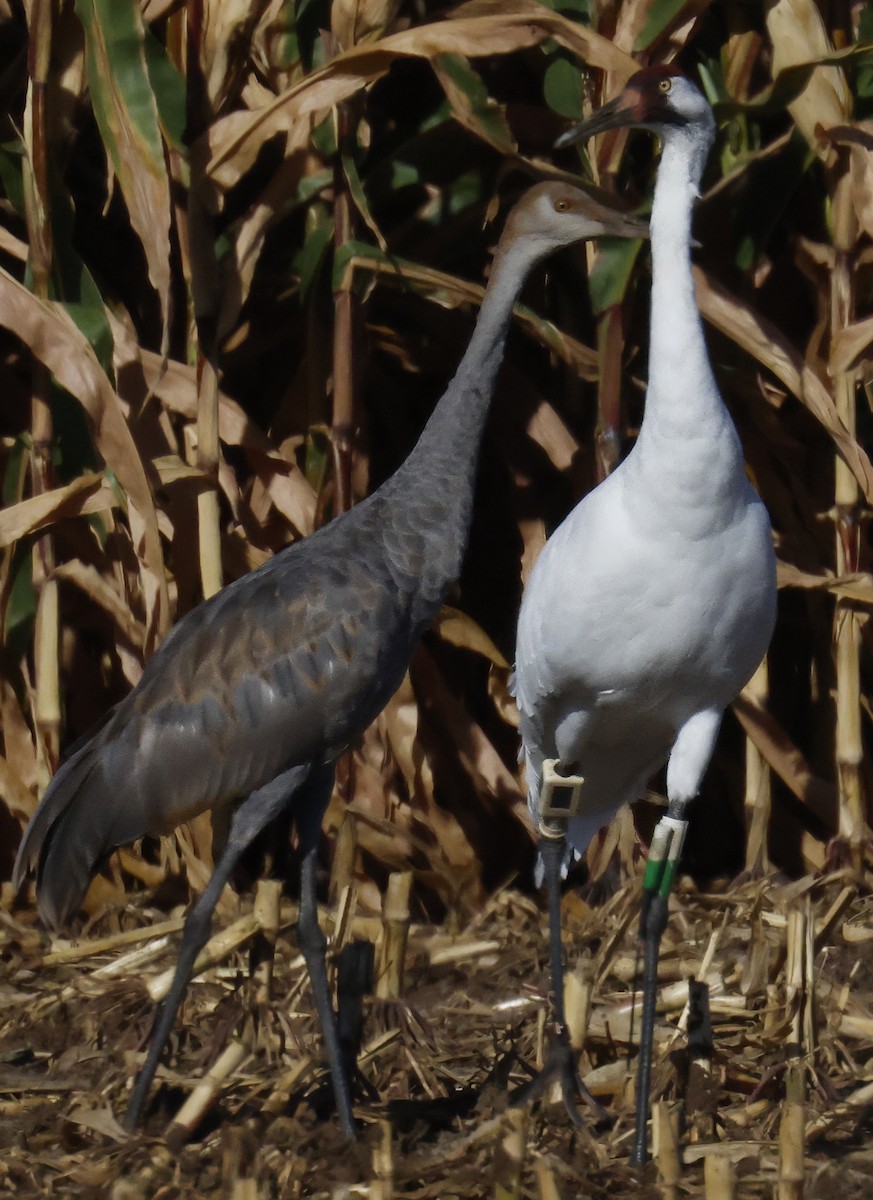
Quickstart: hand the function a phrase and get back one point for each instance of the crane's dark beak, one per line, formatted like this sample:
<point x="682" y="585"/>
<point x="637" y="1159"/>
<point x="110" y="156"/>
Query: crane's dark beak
<point x="626" y="227"/>
<point x="630" y="108"/>
<point x="617" y="114"/>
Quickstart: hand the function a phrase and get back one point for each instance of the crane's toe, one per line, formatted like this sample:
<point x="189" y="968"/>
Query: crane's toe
<point x="560" y="1067"/>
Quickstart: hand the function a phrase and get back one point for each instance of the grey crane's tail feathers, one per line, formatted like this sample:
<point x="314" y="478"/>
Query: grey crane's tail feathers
<point x="67" y="836"/>
<point x="69" y="777"/>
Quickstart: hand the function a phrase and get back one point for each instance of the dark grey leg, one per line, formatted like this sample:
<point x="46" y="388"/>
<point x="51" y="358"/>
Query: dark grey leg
<point x="309" y="812"/>
<point x="552" y="852"/>
<point x="252" y="815"/>
<point x="354" y="981"/>
<point x="560" y="1063"/>
<point x="658" y="880"/>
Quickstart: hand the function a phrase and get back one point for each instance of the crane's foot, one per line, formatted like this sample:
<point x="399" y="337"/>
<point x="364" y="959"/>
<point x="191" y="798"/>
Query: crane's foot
<point x="560" y="1067"/>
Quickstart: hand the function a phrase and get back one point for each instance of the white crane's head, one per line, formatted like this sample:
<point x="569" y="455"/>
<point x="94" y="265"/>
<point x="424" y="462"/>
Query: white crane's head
<point x="658" y="98"/>
<point x="551" y="215"/>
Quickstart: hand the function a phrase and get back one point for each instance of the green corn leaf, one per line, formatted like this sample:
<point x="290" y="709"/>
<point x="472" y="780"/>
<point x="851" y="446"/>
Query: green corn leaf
<point x="356" y="250"/>
<point x="863" y="81"/>
<point x="613" y="268"/>
<point x="576" y="10"/>
<point x="563" y="88"/>
<point x="15" y="471"/>
<point x="73" y="446"/>
<point x="312" y="255"/>
<point x="662" y="14"/>
<point x="127" y="116"/>
<point x="21" y="608"/>
<point x="168" y="88"/>
<point x="72" y="283"/>
<point x="470" y="102"/>
<point x="356" y="188"/>
<point x="317" y="458"/>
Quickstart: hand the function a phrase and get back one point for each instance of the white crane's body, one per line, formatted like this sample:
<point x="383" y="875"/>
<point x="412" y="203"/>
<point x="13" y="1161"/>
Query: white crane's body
<point x="653" y="603"/>
<point x="647" y="611"/>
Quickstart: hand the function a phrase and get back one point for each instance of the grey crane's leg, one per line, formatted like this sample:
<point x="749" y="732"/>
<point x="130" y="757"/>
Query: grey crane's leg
<point x="689" y="759"/>
<point x="252" y="815"/>
<point x="312" y="942"/>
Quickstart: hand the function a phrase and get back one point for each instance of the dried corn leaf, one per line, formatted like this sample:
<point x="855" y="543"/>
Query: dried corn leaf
<point x="798" y="35"/>
<point x="759" y="337"/>
<point x="235" y="141"/>
<point x="456" y="627"/>
<point x="356" y="21"/>
<point x="450" y="291"/>
<point x="16" y="795"/>
<point x="87" y="494"/>
<point x="55" y="341"/>
<point x="89" y="580"/>
<point x="785" y="757"/>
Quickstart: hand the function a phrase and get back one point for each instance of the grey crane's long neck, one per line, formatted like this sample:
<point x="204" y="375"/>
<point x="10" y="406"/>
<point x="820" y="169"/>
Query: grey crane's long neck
<point x="432" y="493"/>
<point x="453" y="433"/>
<point x="684" y="409"/>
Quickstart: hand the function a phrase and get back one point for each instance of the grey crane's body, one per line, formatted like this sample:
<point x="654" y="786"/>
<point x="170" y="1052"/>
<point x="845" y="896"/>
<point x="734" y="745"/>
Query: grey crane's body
<point x="653" y="603"/>
<point x="255" y="693"/>
<point x="283" y="667"/>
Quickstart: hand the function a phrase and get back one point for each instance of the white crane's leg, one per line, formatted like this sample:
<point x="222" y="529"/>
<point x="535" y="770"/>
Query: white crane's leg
<point x="559" y="799"/>
<point x="252" y="815"/>
<point x="312" y="942"/>
<point x="689" y="759"/>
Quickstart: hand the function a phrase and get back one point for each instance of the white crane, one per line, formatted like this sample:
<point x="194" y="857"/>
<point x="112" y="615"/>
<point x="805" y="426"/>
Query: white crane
<point x="653" y="603"/>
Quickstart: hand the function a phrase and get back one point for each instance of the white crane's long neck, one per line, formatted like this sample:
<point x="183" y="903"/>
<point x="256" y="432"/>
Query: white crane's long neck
<point x="683" y="407"/>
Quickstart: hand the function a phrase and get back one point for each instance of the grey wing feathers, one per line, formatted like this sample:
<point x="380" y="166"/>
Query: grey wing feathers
<point x="286" y="666"/>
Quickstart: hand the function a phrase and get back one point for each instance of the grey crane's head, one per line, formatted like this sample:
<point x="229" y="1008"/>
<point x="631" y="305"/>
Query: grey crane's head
<point x="551" y="215"/>
<point x="658" y="98"/>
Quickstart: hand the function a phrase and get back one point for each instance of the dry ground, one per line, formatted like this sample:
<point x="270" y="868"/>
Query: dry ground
<point x="790" y="969"/>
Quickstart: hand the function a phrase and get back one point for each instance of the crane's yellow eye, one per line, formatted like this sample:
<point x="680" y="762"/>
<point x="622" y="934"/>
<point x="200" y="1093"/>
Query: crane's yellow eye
<point x="665" y="85"/>
<point x="562" y="205"/>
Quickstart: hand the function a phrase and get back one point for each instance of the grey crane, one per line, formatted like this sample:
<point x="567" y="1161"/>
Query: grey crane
<point x="256" y="692"/>
<point x="653" y="603"/>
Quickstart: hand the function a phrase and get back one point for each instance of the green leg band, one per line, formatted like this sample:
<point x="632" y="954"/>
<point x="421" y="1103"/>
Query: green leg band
<point x="663" y="860"/>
